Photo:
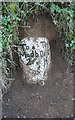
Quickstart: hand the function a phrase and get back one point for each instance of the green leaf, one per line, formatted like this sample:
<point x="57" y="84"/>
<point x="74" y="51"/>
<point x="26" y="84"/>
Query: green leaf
<point x="71" y="44"/>
<point x="39" y="4"/>
<point x="70" y="61"/>
<point x="17" y="18"/>
<point x="72" y="41"/>
<point x="9" y="26"/>
<point x="52" y="7"/>
<point x="68" y="18"/>
<point x="67" y="45"/>
<point x="8" y="18"/>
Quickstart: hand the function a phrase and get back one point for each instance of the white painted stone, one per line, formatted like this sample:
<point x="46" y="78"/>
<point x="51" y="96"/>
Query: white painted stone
<point x="35" y="59"/>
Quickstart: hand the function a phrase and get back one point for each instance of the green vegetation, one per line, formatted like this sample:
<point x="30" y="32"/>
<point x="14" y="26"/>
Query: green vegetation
<point x="12" y="14"/>
<point x="63" y="18"/>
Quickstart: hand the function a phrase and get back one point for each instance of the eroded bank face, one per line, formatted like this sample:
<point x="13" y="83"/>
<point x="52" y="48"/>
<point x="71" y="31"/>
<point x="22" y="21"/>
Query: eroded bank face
<point x="35" y="58"/>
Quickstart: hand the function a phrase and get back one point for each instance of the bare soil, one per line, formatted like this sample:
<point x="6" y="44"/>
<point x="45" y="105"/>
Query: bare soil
<point x="54" y="100"/>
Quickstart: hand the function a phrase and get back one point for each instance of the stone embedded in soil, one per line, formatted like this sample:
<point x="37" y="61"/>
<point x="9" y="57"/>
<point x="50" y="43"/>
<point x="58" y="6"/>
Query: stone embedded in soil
<point x="35" y="58"/>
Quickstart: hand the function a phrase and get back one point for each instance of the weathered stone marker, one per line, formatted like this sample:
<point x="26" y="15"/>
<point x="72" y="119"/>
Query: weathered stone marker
<point x="35" y="58"/>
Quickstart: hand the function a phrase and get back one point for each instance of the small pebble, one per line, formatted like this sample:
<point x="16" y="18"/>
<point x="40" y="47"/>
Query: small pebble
<point x="8" y="100"/>
<point x="18" y="116"/>
<point x="51" y="103"/>
<point x="24" y="116"/>
<point x="4" y="116"/>
<point x="33" y="95"/>
<point x="46" y="114"/>
<point x="61" y="91"/>
<point x="42" y="83"/>
<point x="40" y="97"/>
<point x="6" y="103"/>
<point x="73" y="98"/>
<point x="56" y="83"/>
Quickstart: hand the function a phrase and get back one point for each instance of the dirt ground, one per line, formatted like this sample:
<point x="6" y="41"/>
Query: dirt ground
<point x="54" y="100"/>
